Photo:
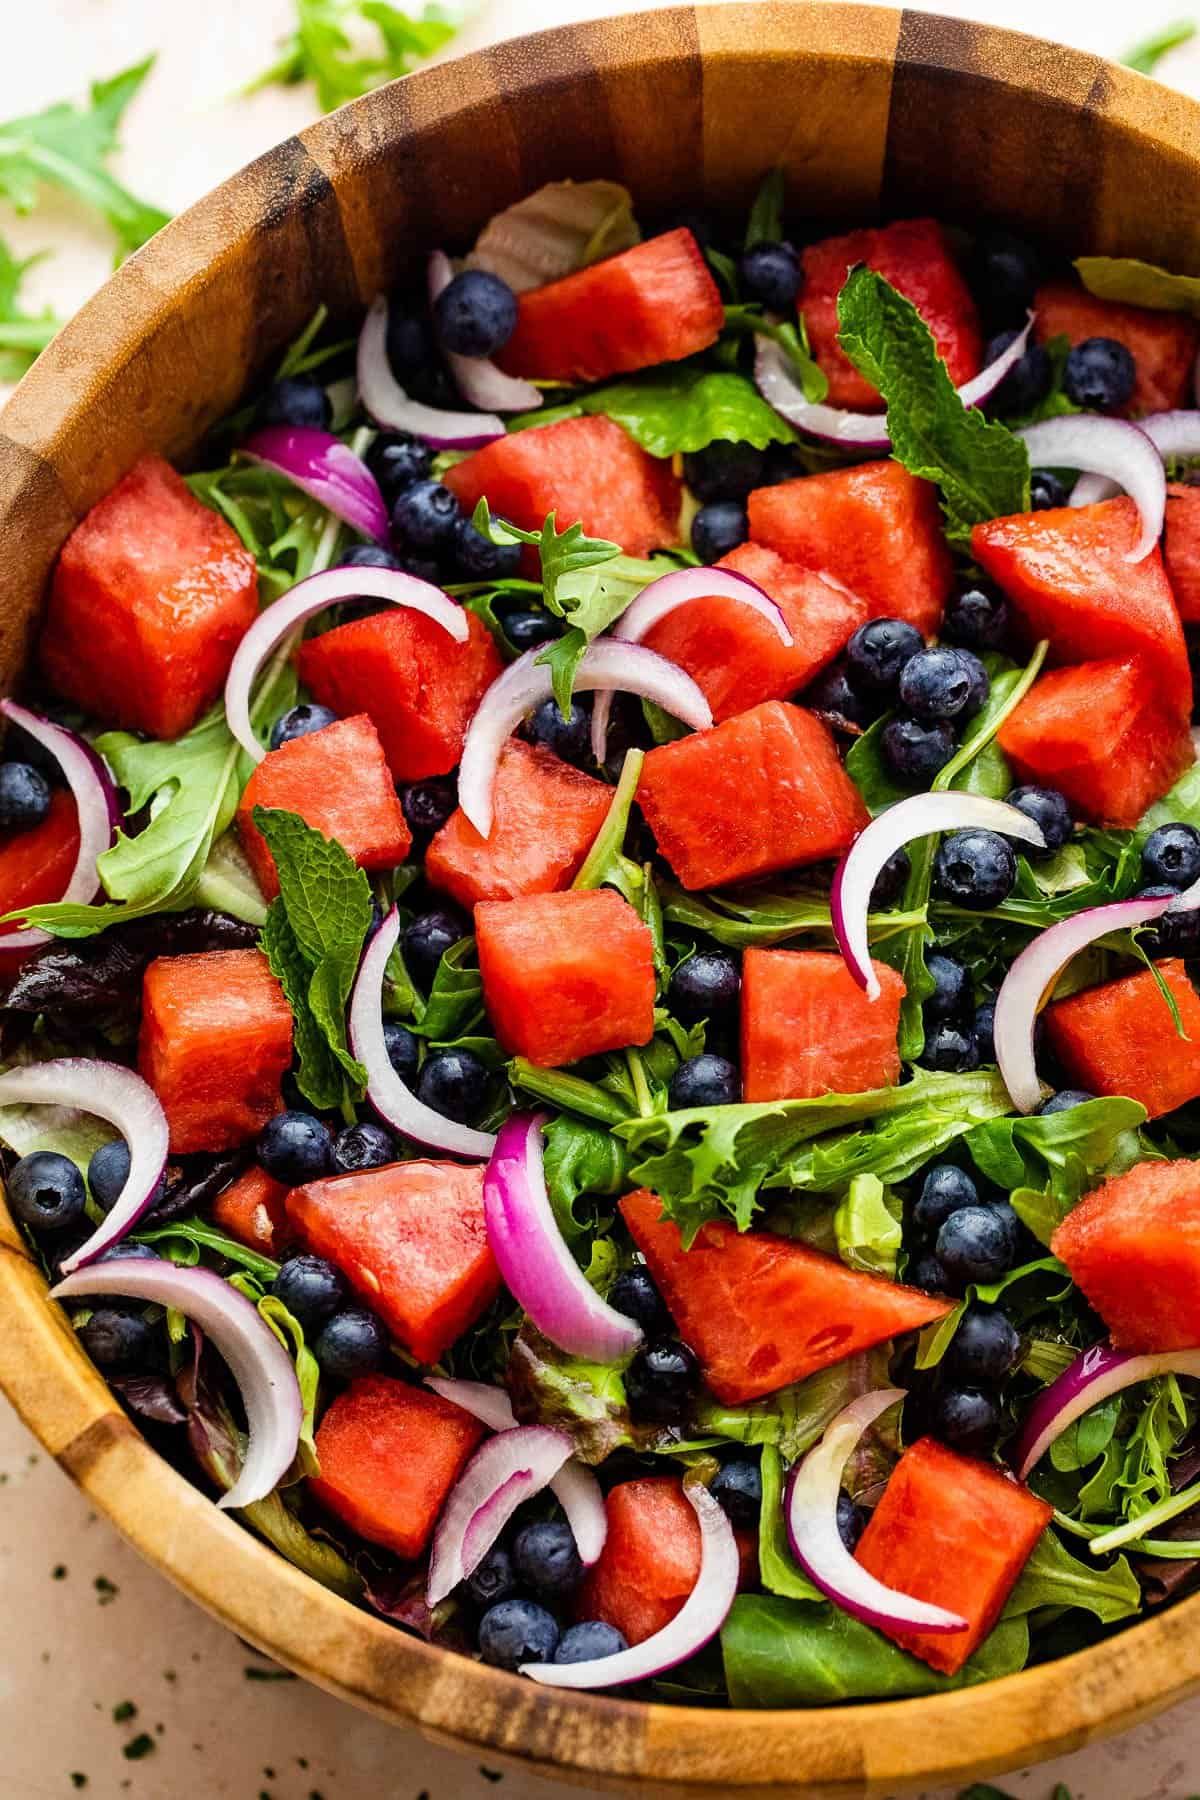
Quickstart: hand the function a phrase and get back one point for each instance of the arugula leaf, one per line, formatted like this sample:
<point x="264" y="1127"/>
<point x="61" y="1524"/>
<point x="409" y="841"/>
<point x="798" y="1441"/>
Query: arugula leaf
<point x="323" y="49"/>
<point x="765" y="224"/>
<point x="68" y="146"/>
<point x="763" y="916"/>
<point x="868" y="1227"/>
<point x="606" y="864"/>
<point x="748" y="318"/>
<point x="569" y="1091"/>
<point x="199" y="1235"/>
<point x="1146" y="56"/>
<point x="22" y="334"/>
<point x="1053" y="1577"/>
<point x="1136" y="283"/>
<point x="980" y="467"/>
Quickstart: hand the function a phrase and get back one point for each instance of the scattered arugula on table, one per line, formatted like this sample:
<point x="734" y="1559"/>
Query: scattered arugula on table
<point x="1146" y="56"/>
<point x="326" y="47"/>
<point x="22" y="334"/>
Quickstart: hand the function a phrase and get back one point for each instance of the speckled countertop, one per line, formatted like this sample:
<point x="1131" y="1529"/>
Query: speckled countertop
<point x="111" y="1683"/>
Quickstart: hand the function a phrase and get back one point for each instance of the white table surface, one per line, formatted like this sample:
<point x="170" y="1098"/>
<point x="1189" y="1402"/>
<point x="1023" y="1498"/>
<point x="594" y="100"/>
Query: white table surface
<point x="85" y="1626"/>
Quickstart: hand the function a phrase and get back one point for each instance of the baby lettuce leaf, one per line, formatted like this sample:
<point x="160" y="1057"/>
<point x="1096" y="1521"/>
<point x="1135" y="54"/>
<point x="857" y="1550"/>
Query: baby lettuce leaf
<point x="867" y="1224"/>
<point x="779" y="1571"/>
<point x="586" y="1400"/>
<point x="583" y="1164"/>
<point x="1134" y="283"/>
<point x="793" y="1418"/>
<point x="1053" y="1577"/>
<point x="1048" y="1161"/>
<point x="685" y="407"/>
<point x="22" y="334"/>
<point x="290" y="1333"/>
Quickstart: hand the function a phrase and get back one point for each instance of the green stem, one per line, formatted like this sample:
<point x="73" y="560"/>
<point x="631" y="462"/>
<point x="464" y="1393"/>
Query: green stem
<point x="611" y="835"/>
<point x="1135" y="1529"/>
<point x="983" y="736"/>
<point x="567" y="1091"/>
<point x="641" y="1087"/>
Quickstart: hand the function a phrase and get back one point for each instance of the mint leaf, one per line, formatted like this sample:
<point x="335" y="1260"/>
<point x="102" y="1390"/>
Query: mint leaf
<point x="980" y="467"/>
<point x="1136" y="283"/>
<point x="1146" y="56"/>
<point x="326" y="47"/>
<point x="765" y="224"/>
<point x="22" y="334"/>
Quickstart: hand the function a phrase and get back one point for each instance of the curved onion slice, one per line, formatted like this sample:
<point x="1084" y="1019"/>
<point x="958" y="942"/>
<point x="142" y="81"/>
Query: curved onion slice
<point x="257" y="1360"/>
<point x="551" y="233"/>
<point x="660" y="598"/>
<point x="1173" y="434"/>
<point x="395" y="1103"/>
<point x="505" y="1471"/>
<point x="1111" y="447"/>
<point x="701" y="1617"/>
<point x="537" y="1267"/>
<point x="915" y="817"/>
<point x="390" y="406"/>
<point x="574" y="1487"/>
<point x="109" y="1092"/>
<point x="1093" y="1377"/>
<point x="480" y="382"/>
<point x="96" y="806"/>
<point x="608" y="664"/>
<point x="327" y="470"/>
<point x="313" y="596"/>
<point x="810" y="1510"/>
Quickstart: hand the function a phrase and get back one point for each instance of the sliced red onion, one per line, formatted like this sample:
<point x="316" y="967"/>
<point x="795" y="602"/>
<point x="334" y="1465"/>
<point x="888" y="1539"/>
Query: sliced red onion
<point x="698" y="1621"/>
<point x="1093" y="1377"/>
<point x="504" y="1472"/>
<point x="96" y="807"/>
<point x="1173" y="434"/>
<point x="858" y="871"/>
<point x="119" y="1095"/>
<point x="395" y="1103"/>
<point x="477" y="378"/>
<point x="574" y="1487"/>
<point x="313" y="596"/>
<point x="1111" y="447"/>
<point x="391" y="407"/>
<point x="660" y="598"/>
<point x="258" y="1362"/>
<point x="607" y="664"/>
<point x="537" y="1267"/>
<point x="325" y="469"/>
<point x="810" y="1509"/>
<point x="551" y="233"/>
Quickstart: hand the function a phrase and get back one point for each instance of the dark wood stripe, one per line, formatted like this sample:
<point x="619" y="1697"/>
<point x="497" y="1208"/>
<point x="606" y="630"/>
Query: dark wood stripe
<point x="35" y="516"/>
<point x="94" y="1444"/>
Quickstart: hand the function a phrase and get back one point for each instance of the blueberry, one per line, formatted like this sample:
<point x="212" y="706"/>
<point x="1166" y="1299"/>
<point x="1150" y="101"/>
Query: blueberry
<point x="425" y="518"/>
<point x="975" y="1244"/>
<point x="662" y="1381"/>
<point x="946" y="1189"/>
<point x="311" y="1288"/>
<point x="834" y="697"/>
<point x="516" y="1632"/>
<point x="397" y="459"/>
<point x="981" y="685"/>
<point x="891" y="881"/>
<point x="352" y="1343"/>
<point x="952" y="996"/>
<point x="126" y="1251"/>
<point x="1066" y="1100"/>
<point x="525" y="630"/>
<point x="117" y="1338"/>
<point x="293" y="1147"/>
<point x="738" y="1488"/>
<point x="300" y="721"/>
<point x="878" y="653"/>
<point x="403" y="1049"/>
<point x="706" y="986"/>
<point x="296" y="400"/>
<point x="985" y="1347"/>
<point x="588" y="1641"/>
<point x="475" y="314"/>
<point x="704" y="1080"/>
<point x="1027" y="382"/>
<point x="967" y="1419"/>
<point x="851" y="1522"/>
<point x="1046" y="491"/>
<point x="108" y="1172"/>
<point x="24" y="797"/>
<point x="492" y="1579"/>
<point x="46" y="1192"/>
<point x="568" y="738"/>
<point x="1005" y="271"/>
<point x="1175" y="933"/>
<point x="367" y="556"/>
<point x="770" y="273"/>
<point x="476" y="558"/>
<point x="410" y="346"/>
<point x="1171" y="856"/>
<point x="428" y="805"/>
<point x="427" y="940"/>
<point x="928" y="1273"/>
<point x="914" y="752"/>
<point x="454" y="1083"/>
<point x="975" y="868"/>
<point x="424" y="567"/>
<point x="937" y="684"/>
<point x="724" y="470"/>
<point x="546" y="1560"/>
<point x="984" y="1030"/>
<point x="719" y="528"/>
<point x="1049" y="809"/>
<point x="365" y="1146"/>
<point x="1100" y="374"/>
<point x="950" y="1049"/>
<point x="977" y="620"/>
<point x="635" y="1295"/>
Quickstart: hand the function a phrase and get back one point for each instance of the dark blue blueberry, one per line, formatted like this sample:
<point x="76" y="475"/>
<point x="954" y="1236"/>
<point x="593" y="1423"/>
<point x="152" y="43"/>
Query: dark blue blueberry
<point x="476" y="558"/>
<point x="1100" y="374"/>
<point x="949" y="1048"/>
<point x="928" y="1273"/>
<point x="966" y="1419"/>
<point x="425" y="519"/>
<point x="770" y="273"/>
<point x="367" y="556"/>
<point x="427" y="805"/>
<point x="1175" y="933"/>
<point x="410" y="348"/>
<point x="851" y="1522"/>
<point x="492" y="1579"/>
<point x="352" y="1343"/>
<point x="878" y="653"/>
<point x="568" y="738"/>
<point x="117" y="1338"/>
<point x="1066" y="1100"/>
<point x="661" y="1381"/>
<point x="296" y="400"/>
<point x="985" y="1347"/>
<point x="977" y="620"/>
<point x="311" y="1288"/>
<point x="981" y="685"/>
<point x="914" y="752"/>
<point x="454" y="1083"/>
<point x="946" y="1189"/>
<point x="24" y="797"/>
<point x="737" y="1486"/>
<point x="1171" y="856"/>
<point x="1048" y="809"/>
<point x="424" y="567"/>
<point x="635" y="1295"/>
<point x="975" y="1244"/>
<point x="427" y="940"/>
<point x="1027" y="382"/>
<point x="403" y="1048"/>
<point x="365" y="1146"/>
<point x="1005" y="272"/>
<point x="1013" y="1226"/>
<point x="293" y="1147"/>
<point x="985" y="1030"/>
<point x="516" y="1632"/>
<point x="1046" y="491"/>
<point x="588" y="1641"/>
<point x="719" y="528"/>
<point x="126" y="1251"/>
<point x="724" y="470"/>
<point x="975" y="868"/>
<point x="545" y="1558"/>
<point x="952" y="996"/>
<point x="108" y="1172"/>
<point x="475" y="314"/>
<point x="526" y="630"/>
<point x="300" y="721"/>
<point x="397" y="459"/>
<point x="891" y="881"/>
<point x="706" y="986"/>
<point x="46" y="1192"/>
<point x="837" y="700"/>
<point x="937" y="684"/>
<point x="704" y="1080"/>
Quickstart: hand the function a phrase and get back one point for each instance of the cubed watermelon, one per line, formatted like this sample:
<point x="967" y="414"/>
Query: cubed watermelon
<point x="338" y="781"/>
<point x="410" y="1238"/>
<point x="35" y="866"/>
<point x="953" y="1532"/>
<point x="584" y="471"/>
<point x="1181" y="548"/>
<point x="761" y="1311"/>
<point x="653" y="304"/>
<point x="764" y="791"/>
<point x="914" y="256"/>
<point x="216" y="1039"/>
<point x="1120" y="1038"/>
<point x="150" y="597"/>
<point x="1133" y="1246"/>
<point x="418" y="686"/>
<point x="566" y="975"/>
<point x="390" y="1454"/>
<point x="253" y="1210"/>
<point x="547" y="815"/>
<point x="1101" y="734"/>
<point x="1162" y="344"/>
<point x="808" y="1028"/>
<point x="735" y="656"/>
<point x="650" y="1560"/>
<point x="875" y="528"/>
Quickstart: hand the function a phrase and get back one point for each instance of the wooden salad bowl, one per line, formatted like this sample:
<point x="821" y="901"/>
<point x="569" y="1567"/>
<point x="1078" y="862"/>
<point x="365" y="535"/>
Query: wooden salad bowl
<point x="869" y="111"/>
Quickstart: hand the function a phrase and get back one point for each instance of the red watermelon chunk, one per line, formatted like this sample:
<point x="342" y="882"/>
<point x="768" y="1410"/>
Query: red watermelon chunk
<point x="653" y="304"/>
<point x="914" y="256"/>
<point x="875" y="528"/>
<point x="761" y="1311"/>
<point x="1181" y="548"/>
<point x="1120" y="1038"/>
<point x="253" y="1210"/>
<point x="1162" y="344"/>
<point x="150" y="597"/>
<point x="409" y="1238"/>
<point x="1133" y="1246"/>
<point x="764" y="791"/>
<point x="584" y="471"/>
<point x="35" y="866"/>
<point x="953" y="1532"/>
<point x="808" y="1028"/>
<point x="735" y="656"/>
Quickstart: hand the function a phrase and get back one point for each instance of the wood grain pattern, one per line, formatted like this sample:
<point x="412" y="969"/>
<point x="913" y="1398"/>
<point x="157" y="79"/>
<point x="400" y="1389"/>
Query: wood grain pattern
<point x="869" y="111"/>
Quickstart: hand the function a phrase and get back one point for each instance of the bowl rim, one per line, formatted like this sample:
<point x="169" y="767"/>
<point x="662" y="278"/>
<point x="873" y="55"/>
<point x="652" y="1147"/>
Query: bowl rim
<point x="846" y="1749"/>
